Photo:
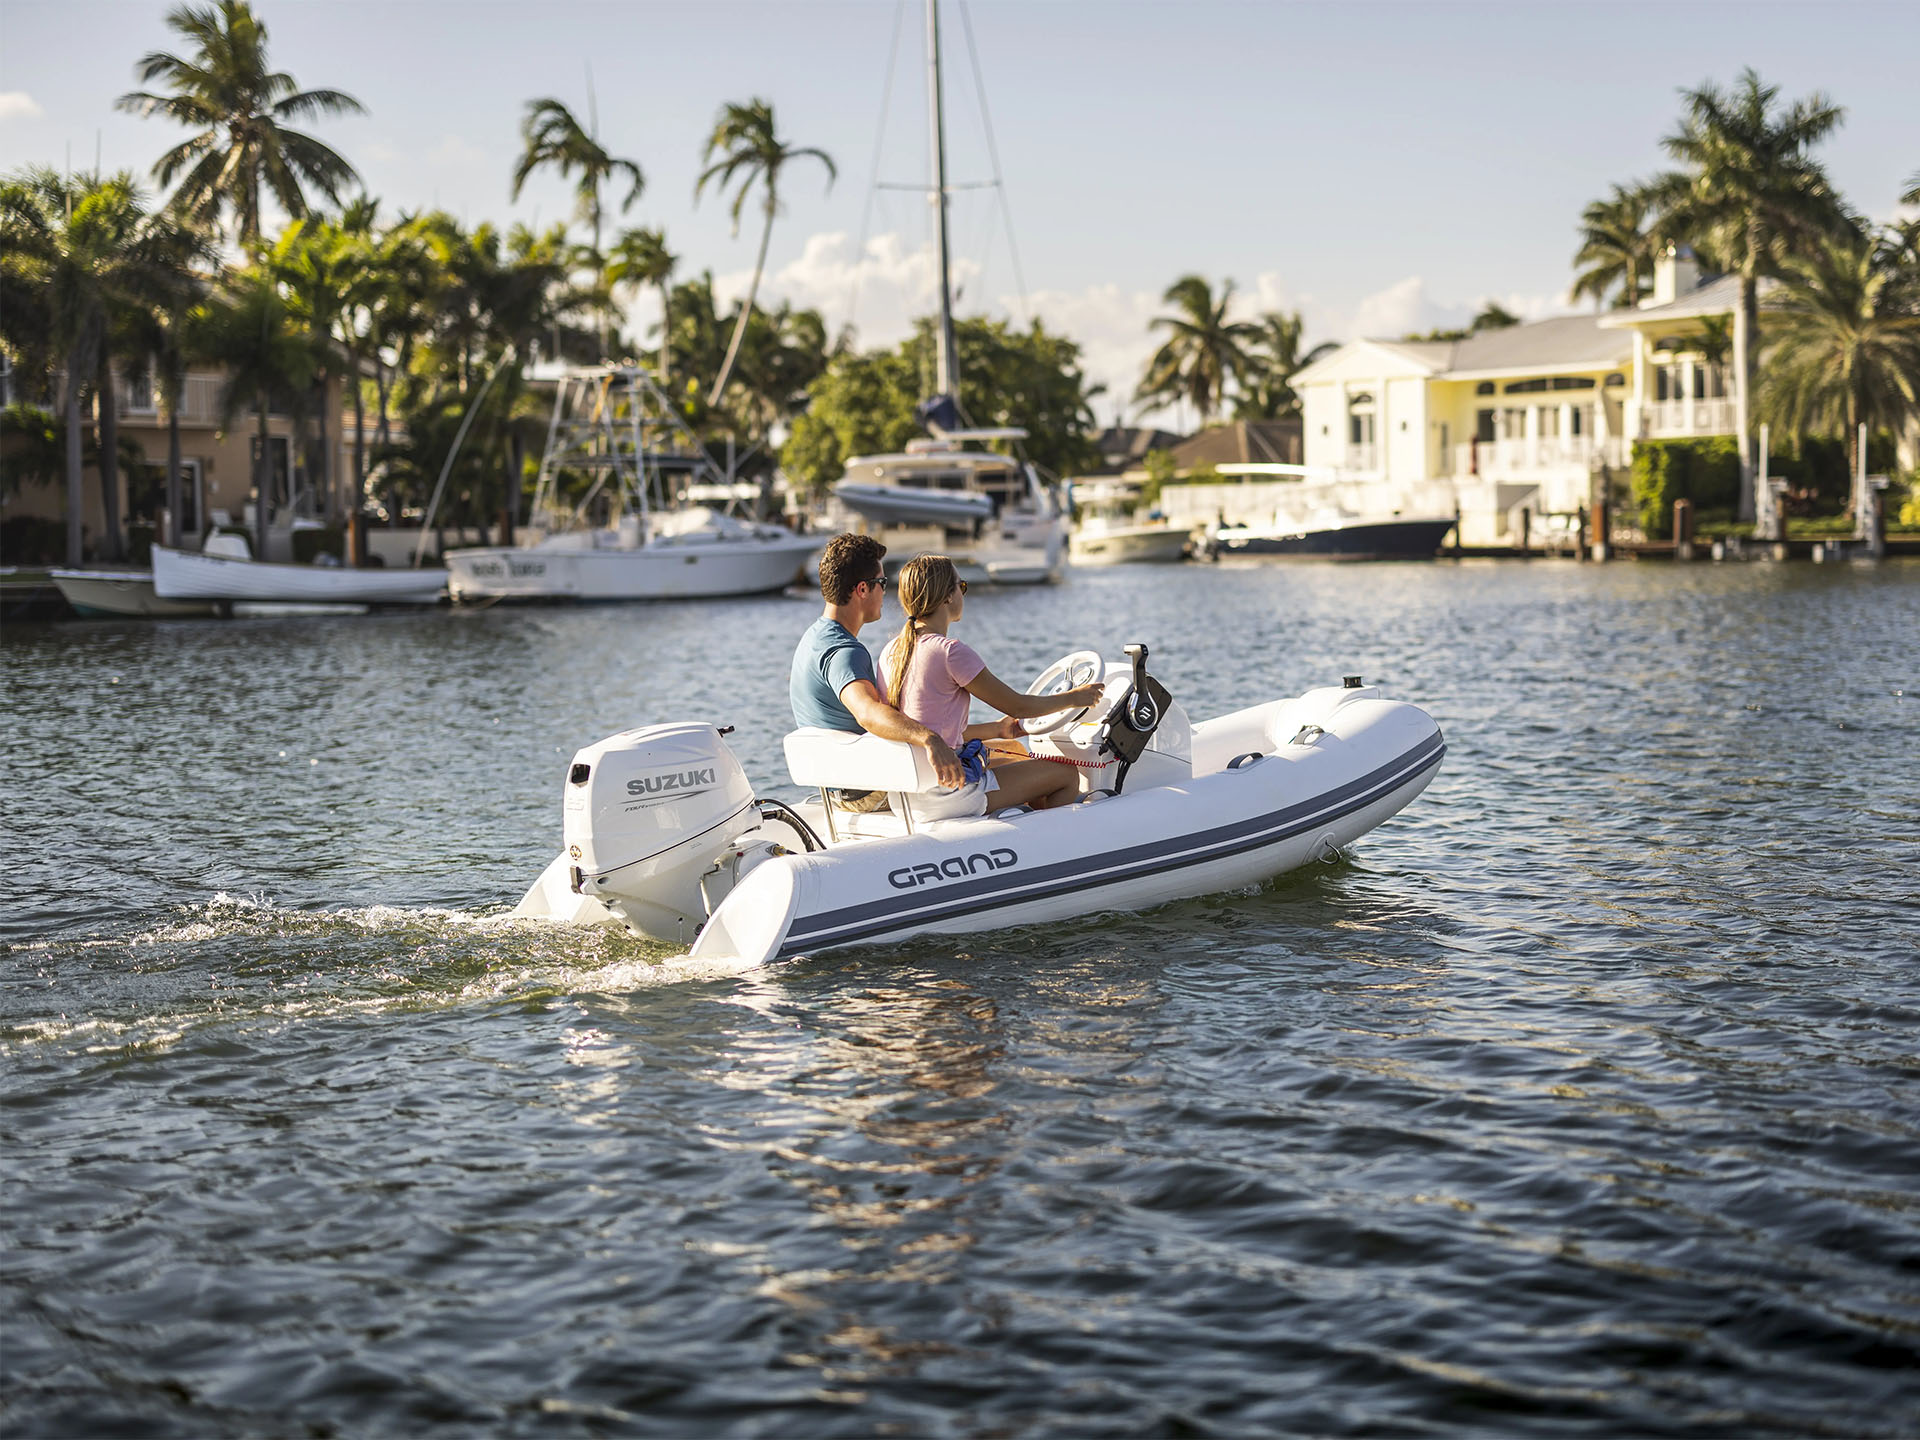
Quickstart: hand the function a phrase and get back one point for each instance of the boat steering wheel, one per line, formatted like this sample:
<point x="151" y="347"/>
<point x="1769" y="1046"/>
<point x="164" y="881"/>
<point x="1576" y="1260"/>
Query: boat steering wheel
<point x="1069" y="672"/>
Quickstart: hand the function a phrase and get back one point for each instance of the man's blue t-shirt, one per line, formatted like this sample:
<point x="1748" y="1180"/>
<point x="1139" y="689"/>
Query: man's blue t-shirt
<point x="830" y="658"/>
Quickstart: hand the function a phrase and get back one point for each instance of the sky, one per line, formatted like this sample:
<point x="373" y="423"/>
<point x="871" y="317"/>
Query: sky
<point x="1378" y="167"/>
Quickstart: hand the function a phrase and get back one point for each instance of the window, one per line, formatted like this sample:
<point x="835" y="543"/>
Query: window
<point x="1572" y="382"/>
<point x="280" y="463"/>
<point x="1483" y="430"/>
<point x="1615" y="379"/>
<point x="1526" y="387"/>
<point x="147" y="496"/>
<point x="1485" y="387"/>
<point x="1360" y="419"/>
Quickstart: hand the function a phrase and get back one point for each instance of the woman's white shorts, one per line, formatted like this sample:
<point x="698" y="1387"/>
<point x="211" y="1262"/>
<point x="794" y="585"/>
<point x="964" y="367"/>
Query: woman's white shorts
<point x="951" y="802"/>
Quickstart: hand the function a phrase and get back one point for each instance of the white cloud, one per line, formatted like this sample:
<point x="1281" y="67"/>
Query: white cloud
<point x="1405" y="308"/>
<point x="19" y="105"/>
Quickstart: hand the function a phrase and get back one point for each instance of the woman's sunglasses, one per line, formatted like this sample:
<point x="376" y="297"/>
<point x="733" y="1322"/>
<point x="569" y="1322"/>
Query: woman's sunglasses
<point x="963" y="587"/>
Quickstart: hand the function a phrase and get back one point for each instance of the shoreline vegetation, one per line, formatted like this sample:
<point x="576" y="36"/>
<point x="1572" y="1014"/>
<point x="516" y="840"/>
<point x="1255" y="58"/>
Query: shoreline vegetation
<point x="400" y="318"/>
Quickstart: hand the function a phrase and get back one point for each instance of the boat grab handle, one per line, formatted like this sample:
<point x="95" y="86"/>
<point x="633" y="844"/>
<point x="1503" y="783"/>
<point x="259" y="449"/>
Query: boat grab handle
<point x="1246" y="761"/>
<point x="1306" y="735"/>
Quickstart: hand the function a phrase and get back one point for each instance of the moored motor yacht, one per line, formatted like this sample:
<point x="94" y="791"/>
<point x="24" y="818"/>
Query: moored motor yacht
<point x="665" y="834"/>
<point x="1327" y="515"/>
<point x="991" y="514"/>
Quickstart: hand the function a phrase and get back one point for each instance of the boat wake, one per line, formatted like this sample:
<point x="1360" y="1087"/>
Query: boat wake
<point x="243" y="959"/>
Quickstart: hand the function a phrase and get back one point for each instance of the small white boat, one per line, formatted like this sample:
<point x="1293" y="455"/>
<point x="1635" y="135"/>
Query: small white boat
<point x="664" y="833"/>
<point x="1327" y="516"/>
<point x="224" y="572"/>
<point x="94" y="593"/>
<point x="1109" y="531"/>
<point x="691" y="554"/>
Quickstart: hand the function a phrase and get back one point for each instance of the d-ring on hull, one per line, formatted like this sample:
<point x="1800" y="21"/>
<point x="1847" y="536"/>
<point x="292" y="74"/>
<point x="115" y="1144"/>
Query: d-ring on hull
<point x="1127" y="852"/>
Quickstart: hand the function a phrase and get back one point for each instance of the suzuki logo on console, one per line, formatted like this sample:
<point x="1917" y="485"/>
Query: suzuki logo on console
<point x="954" y="867"/>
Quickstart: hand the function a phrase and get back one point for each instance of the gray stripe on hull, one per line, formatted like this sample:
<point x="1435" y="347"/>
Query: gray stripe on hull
<point x="876" y="917"/>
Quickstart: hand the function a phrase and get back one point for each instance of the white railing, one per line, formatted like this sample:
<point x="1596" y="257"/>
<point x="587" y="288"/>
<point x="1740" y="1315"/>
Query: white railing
<point x="1360" y="458"/>
<point x="1537" y="455"/>
<point x="1690" y="417"/>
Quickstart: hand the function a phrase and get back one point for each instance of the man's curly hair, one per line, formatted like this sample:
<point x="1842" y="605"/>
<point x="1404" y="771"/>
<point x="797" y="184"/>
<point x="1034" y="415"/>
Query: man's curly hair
<point x="848" y="560"/>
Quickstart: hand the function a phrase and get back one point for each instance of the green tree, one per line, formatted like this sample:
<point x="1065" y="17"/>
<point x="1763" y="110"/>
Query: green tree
<point x="1748" y="195"/>
<point x="253" y="333"/>
<point x="863" y="404"/>
<point x="240" y="107"/>
<point x="1273" y="359"/>
<point x="88" y="252"/>
<point x="1843" y="348"/>
<point x="1203" y="351"/>
<point x="641" y="257"/>
<point x="553" y="139"/>
<point x="750" y="150"/>
<point x="1617" y="247"/>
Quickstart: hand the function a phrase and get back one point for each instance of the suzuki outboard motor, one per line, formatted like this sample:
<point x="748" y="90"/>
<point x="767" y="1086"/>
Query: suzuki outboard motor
<point x="648" y="813"/>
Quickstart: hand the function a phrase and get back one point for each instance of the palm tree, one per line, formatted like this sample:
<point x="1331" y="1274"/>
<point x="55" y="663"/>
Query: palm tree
<point x="1266" y="391"/>
<point x="749" y="149"/>
<point x="1203" y="349"/>
<point x="554" y="139"/>
<point x="91" y="252"/>
<point x="253" y="333"/>
<point x="1843" y="344"/>
<point x="239" y="108"/>
<point x="319" y="268"/>
<point x="1749" y="195"/>
<point x="1617" y="245"/>
<point x="641" y="257"/>
<point x="166" y="329"/>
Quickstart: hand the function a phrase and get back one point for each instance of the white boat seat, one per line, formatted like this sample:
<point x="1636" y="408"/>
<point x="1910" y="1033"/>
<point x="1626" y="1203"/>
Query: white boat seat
<point x="851" y="824"/>
<point x="843" y="760"/>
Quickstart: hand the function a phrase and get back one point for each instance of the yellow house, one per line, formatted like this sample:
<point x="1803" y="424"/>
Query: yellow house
<point x="1533" y="417"/>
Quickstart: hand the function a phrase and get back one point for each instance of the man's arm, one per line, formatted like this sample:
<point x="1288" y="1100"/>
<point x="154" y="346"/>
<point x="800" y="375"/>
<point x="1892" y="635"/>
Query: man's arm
<point x="877" y="717"/>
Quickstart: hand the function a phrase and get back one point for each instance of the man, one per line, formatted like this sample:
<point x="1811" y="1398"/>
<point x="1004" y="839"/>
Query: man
<point x="833" y="684"/>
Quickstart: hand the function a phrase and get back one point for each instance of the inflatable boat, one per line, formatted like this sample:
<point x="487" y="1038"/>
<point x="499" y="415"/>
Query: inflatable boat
<point x="664" y="834"/>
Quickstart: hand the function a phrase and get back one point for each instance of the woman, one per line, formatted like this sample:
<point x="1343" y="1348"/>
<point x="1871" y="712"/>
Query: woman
<point x="932" y="678"/>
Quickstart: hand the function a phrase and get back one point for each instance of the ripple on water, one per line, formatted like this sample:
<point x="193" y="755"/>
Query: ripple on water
<point x="1579" y="1099"/>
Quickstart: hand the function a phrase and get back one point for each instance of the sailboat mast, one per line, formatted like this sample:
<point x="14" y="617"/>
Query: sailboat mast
<point x="947" y="354"/>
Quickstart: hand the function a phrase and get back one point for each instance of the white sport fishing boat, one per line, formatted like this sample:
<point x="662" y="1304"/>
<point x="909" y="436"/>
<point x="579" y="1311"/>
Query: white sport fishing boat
<point x="611" y="424"/>
<point x="226" y="572"/>
<point x="664" y="834"/>
<point x="1328" y="515"/>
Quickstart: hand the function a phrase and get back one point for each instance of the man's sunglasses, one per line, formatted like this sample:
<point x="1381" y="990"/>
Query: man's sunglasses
<point x="879" y="582"/>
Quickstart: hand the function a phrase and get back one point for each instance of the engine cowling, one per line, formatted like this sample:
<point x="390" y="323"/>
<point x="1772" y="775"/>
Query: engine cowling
<point x="646" y="813"/>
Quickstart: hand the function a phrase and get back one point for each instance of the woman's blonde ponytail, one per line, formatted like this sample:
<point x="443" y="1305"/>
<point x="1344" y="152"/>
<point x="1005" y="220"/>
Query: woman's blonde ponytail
<point x="923" y="587"/>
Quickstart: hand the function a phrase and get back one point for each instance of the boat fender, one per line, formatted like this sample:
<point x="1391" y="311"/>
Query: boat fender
<point x="1246" y="761"/>
<point x="1306" y="735"/>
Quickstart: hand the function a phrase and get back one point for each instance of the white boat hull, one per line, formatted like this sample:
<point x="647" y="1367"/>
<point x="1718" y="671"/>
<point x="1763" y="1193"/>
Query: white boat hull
<point x="182" y="575"/>
<point x="122" y="592"/>
<point x="913" y="505"/>
<point x="1218" y="831"/>
<point x="1131" y="545"/>
<point x="692" y="571"/>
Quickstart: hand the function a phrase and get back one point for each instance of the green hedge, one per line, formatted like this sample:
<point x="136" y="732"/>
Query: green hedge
<point x="1705" y="470"/>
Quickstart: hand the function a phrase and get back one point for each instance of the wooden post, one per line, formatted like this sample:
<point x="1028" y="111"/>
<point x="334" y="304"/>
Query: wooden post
<point x="356" y="538"/>
<point x="1683" y="529"/>
<point x="1602" y="549"/>
<point x="1580" y="541"/>
<point x="1526" y="527"/>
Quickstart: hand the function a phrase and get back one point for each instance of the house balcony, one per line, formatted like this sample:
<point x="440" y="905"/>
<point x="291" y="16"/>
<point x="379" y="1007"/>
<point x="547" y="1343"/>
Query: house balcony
<point x="1361" y="460"/>
<point x="1666" y="419"/>
<point x="1537" y="456"/>
<point x="138" y="401"/>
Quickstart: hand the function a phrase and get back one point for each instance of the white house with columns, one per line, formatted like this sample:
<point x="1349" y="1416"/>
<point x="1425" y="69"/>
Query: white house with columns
<point x="1529" y="417"/>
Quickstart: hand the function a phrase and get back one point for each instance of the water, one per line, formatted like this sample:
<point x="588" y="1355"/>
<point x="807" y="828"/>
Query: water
<point x="1583" y="1098"/>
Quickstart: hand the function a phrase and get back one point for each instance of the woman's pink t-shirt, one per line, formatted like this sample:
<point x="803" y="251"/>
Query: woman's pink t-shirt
<point x="935" y="693"/>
